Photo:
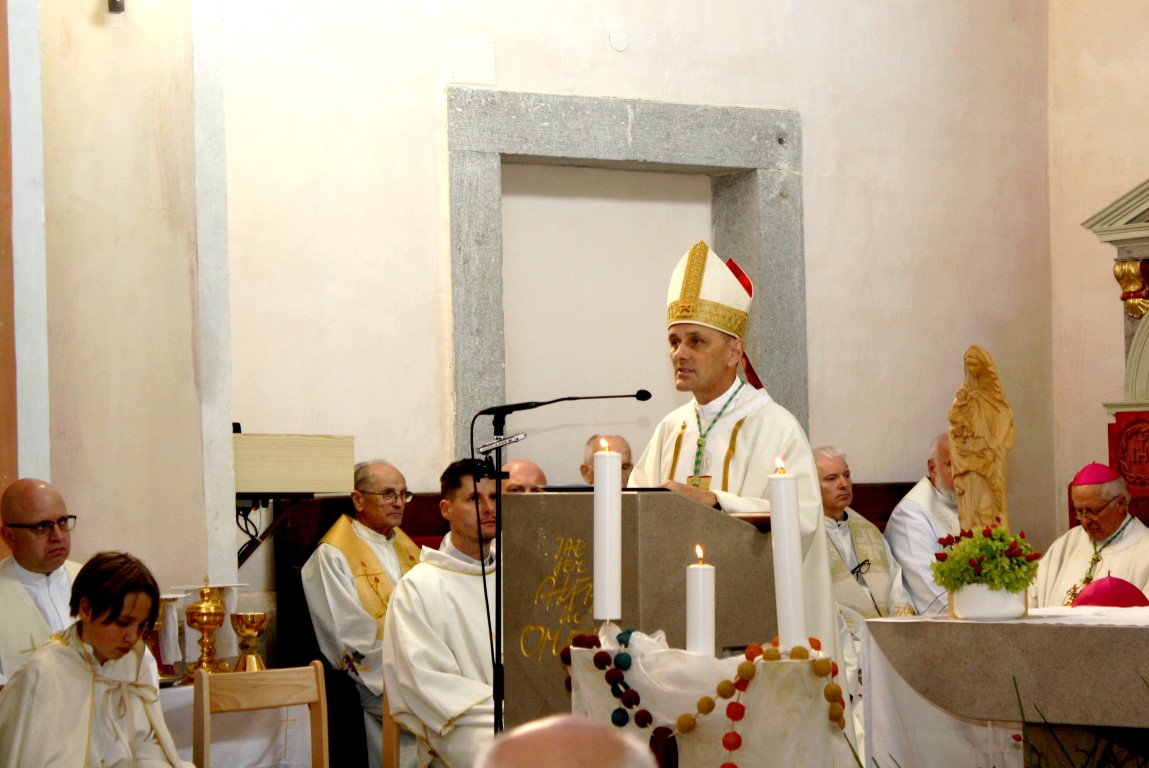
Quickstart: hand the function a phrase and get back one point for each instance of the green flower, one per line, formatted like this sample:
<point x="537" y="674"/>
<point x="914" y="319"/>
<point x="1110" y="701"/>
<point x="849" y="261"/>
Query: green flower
<point x="992" y="556"/>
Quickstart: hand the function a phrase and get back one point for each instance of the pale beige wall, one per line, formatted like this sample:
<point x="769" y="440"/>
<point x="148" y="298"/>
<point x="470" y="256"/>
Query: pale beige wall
<point x="925" y="213"/>
<point x="1098" y="67"/>
<point x="119" y="205"/>
<point x="925" y="202"/>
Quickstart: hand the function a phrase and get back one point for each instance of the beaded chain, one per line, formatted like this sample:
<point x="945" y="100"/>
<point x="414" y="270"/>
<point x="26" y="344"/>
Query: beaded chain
<point x="702" y="435"/>
<point x="663" y="737"/>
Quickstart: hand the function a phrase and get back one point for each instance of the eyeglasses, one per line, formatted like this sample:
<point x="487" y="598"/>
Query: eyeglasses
<point x="860" y="569"/>
<point x="1083" y="513"/>
<point x="390" y="496"/>
<point x="42" y="529"/>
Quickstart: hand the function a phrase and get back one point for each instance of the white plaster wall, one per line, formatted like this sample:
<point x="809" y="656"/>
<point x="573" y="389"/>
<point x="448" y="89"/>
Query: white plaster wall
<point x="1098" y="64"/>
<point x="597" y="324"/>
<point x="119" y="203"/>
<point x="925" y="149"/>
<point x="925" y="202"/>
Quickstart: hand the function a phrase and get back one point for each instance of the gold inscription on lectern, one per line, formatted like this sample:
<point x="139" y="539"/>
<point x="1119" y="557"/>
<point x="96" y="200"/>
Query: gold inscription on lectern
<point x="565" y="595"/>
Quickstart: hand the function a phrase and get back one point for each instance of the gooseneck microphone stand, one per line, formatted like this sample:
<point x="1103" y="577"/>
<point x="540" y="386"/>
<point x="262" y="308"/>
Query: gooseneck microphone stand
<point x="495" y="446"/>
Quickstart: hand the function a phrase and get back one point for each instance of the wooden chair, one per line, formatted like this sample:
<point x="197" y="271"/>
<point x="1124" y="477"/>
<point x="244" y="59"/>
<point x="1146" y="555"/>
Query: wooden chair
<point x="267" y="689"/>
<point x="390" y="737"/>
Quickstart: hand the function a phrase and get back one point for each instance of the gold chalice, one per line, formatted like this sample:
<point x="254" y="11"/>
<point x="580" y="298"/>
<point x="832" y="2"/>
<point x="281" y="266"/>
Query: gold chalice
<point x="206" y="616"/>
<point x="248" y="627"/>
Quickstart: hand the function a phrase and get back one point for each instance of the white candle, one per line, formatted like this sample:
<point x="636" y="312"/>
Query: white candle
<point x="700" y="607"/>
<point x="786" y="541"/>
<point x="607" y="534"/>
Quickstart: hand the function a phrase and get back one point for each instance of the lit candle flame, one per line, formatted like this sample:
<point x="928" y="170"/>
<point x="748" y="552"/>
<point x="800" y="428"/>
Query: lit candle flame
<point x="781" y="465"/>
<point x="605" y="445"/>
<point x="698" y="551"/>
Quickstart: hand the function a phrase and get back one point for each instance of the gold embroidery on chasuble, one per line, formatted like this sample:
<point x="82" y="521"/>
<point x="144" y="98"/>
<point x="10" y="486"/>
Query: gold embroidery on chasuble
<point x="371" y="582"/>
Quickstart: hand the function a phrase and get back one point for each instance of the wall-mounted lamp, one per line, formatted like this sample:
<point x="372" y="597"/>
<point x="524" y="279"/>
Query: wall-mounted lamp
<point x="115" y="6"/>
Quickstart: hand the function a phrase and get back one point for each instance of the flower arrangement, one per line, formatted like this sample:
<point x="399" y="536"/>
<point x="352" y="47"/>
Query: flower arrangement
<point x="992" y="556"/>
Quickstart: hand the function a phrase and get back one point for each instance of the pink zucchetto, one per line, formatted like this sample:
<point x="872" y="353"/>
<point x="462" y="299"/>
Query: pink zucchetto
<point x="1111" y="591"/>
<point x="1095" y="474"/>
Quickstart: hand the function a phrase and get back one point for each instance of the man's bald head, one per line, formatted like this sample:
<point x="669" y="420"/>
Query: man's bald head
<point x="616" y="443"/>
<point x="525" y="477"/>
<point x="567" y="741"/>
<point x="26" y="502"/>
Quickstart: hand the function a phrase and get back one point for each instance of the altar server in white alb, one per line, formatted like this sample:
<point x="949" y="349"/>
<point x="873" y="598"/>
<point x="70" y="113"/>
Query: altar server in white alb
<point x="437" y="639"/>
<point x="348" y="582"/>
<point x="36" y="580"/>
<point x="1109" y="541"/>
<point x="719" y="449"/>
<point x="927" y="513"/>
<point x="89" y="696"/>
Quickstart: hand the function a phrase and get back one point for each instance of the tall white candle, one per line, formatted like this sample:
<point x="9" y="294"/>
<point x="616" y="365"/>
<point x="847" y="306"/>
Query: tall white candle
<point x="607" y="534"/>
<point x="700" y="607"/>
<point x="786" y="541"/>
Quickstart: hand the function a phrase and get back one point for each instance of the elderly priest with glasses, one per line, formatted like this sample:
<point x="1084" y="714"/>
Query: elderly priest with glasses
<point x="36" y="581"/>
<point x="348" y="582"/>
<point x="1109" y="541"/>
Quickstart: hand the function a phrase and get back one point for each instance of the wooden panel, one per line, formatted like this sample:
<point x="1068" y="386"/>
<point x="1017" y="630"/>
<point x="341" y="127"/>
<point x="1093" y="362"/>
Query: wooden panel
<point x="293" y="463"/>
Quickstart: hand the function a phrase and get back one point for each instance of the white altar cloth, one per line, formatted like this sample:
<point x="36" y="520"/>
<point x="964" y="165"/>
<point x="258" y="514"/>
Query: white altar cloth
<point x="264" y="738"/>
<point x="786" y="721"/>
<point x="903" y="726"/>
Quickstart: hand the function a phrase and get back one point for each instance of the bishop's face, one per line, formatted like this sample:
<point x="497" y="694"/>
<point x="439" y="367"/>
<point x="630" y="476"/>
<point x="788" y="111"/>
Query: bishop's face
<point x="705" y="360"/>
<point x="1100" y="514"/>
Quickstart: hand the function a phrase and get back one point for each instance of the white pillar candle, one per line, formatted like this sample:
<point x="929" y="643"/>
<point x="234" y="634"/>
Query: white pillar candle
<point x="700" y="607"/>
<point x="607" y="534"/>
<point x="786" y="541"/>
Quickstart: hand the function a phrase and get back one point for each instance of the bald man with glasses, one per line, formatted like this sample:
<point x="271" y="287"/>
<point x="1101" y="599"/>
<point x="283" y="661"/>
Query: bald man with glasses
<point x="348" y="581"/>
<point x="36" y="580"/>
<point x="1109" y="541"/>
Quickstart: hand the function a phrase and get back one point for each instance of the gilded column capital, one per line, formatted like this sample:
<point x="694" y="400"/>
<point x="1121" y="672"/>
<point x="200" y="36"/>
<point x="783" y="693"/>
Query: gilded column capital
<point x="1133" y="277"/>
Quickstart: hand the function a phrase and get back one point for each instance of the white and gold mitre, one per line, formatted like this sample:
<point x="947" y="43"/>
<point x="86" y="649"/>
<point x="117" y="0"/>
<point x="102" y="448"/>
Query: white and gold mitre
<point x="706" y="291"/>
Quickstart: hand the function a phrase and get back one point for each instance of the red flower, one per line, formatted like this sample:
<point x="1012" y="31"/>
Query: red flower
<point x="940" y="556"/>
<point x="1022" y="534"/>
<point x="1032" y="556"/>
<point x="986" y="531"/>
<point x="1017" y="737"/>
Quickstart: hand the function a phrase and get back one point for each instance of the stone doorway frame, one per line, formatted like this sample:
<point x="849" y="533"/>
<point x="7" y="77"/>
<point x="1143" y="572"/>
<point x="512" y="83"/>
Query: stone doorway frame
<point x="752" y="156"/>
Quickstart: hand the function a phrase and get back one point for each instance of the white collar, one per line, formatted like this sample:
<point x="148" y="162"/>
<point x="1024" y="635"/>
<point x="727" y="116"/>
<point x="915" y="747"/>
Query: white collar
<point x="371" y="534"/>
<point x="34" y="579"/>
<point x="711" y="409"/>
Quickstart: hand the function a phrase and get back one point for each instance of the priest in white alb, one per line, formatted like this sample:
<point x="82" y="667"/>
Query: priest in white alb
<point x="1109" y="541"/>
<point x="348" y="581"/>
<point x="36" y="580"/>
<point x="437" y="639"/>
<point x="719" y="449"/>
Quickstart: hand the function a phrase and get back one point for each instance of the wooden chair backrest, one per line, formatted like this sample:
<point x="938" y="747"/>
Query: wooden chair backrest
<point x="266" y="689"/>
<point x="390" y="737"/>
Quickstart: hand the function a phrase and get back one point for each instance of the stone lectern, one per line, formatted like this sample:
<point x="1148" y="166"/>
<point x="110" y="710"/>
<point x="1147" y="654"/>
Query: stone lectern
<point x="548" y="576"/>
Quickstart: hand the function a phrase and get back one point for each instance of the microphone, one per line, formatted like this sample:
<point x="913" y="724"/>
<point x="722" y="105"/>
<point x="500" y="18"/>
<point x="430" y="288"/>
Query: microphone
<point x="641" y="395"/>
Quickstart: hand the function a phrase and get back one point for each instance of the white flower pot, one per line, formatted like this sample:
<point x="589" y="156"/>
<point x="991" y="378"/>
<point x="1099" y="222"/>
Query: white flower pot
<point x="978" y="602"/>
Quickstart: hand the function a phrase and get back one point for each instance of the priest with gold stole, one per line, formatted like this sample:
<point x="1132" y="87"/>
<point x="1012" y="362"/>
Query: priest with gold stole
<point x="719" y="449"/>
<point x="348" y="582"/>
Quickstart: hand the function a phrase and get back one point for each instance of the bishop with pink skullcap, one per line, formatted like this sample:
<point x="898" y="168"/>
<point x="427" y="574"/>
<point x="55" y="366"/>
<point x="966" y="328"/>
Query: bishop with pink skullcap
<point x="1095" y="474"/>
<point x="1109" y="540"/>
